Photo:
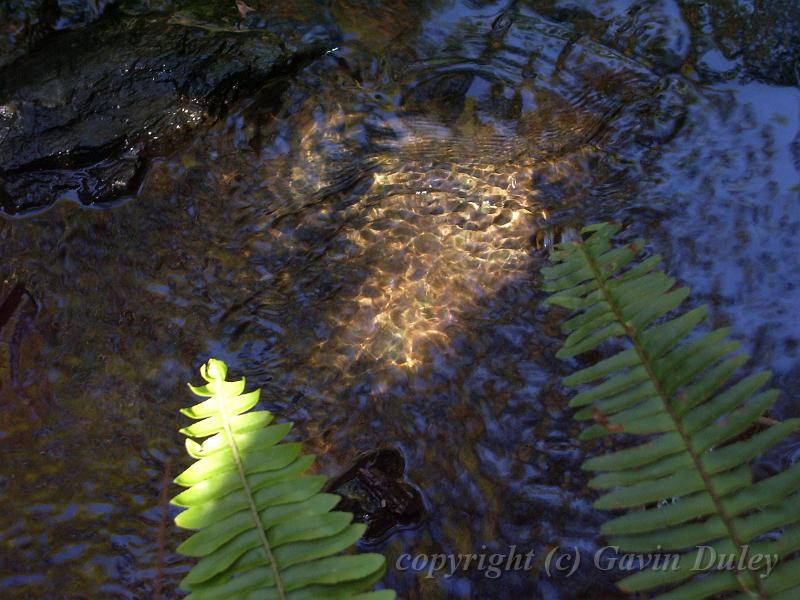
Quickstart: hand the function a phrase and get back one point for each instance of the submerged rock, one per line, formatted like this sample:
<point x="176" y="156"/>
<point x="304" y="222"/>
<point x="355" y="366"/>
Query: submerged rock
<point x="24" y="387"/>
<point x="81" y="115"/>
<point x="374" y="491"/>
<point x="765" y="36"/>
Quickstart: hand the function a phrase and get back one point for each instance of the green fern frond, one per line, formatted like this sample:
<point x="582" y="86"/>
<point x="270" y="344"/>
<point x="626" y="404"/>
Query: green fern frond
<point x="677" y="389"/>
<point x="266" y="531"/>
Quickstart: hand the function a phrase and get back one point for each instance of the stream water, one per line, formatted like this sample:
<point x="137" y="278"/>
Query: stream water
<point x="361" y="237"/>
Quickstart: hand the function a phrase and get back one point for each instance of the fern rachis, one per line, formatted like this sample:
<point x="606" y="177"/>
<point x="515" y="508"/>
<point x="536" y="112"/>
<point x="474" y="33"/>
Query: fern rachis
<point x="669" y="387"/>
<point x="265" y="529"/>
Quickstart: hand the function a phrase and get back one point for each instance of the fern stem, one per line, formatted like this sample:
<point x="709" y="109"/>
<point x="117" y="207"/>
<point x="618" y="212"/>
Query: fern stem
<point x="262" y="534"/>
<point x="665" y="399"/>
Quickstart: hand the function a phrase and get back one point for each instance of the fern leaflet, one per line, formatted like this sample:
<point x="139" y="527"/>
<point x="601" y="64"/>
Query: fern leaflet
<point x="675" y="389"/>
<point x="265" y="530"/>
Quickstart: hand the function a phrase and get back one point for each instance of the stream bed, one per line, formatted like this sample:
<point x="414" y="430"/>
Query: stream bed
<point x="350" y="202"/>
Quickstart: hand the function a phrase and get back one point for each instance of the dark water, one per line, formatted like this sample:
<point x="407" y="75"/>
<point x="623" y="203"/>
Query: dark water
<point x="362" y="239"/>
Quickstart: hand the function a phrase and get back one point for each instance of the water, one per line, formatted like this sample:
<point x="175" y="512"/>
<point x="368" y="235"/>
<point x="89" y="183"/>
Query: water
<point x="363" y="241"/>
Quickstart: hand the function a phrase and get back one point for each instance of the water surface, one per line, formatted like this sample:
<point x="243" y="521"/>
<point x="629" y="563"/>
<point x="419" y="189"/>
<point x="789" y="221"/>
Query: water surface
<point x="362" y="240"/>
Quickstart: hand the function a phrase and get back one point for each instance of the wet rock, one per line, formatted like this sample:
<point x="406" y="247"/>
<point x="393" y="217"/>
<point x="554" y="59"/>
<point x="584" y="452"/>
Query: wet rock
<point x="374" y="491"/>
<point x="81" y="116"/>
<point x="76" y="13"/>
<point x="22" y="22"/>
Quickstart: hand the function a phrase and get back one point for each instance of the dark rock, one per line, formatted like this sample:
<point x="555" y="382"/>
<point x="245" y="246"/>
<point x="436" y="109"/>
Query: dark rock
<point x="24" y="388"/>
<point x="374" y="491"/>
<point x="22" y="23"/>
<point x="25" y="23"/>
<point x="81" y="115"/>
<point x="11" y="303"/>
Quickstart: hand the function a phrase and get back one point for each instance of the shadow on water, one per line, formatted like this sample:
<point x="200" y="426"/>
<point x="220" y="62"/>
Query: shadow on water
<point x="363" y="239"/>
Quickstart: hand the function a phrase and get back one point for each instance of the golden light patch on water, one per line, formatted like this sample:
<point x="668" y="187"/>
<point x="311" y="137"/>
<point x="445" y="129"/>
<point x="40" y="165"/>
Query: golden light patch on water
<point x="439" y="242"/>
<point x="421" y="224"/>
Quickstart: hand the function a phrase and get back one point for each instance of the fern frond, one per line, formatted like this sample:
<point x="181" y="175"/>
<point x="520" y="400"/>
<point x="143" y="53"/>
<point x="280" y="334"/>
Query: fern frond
<point x="265" y="529"/>
<point x="676" y="389"/>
